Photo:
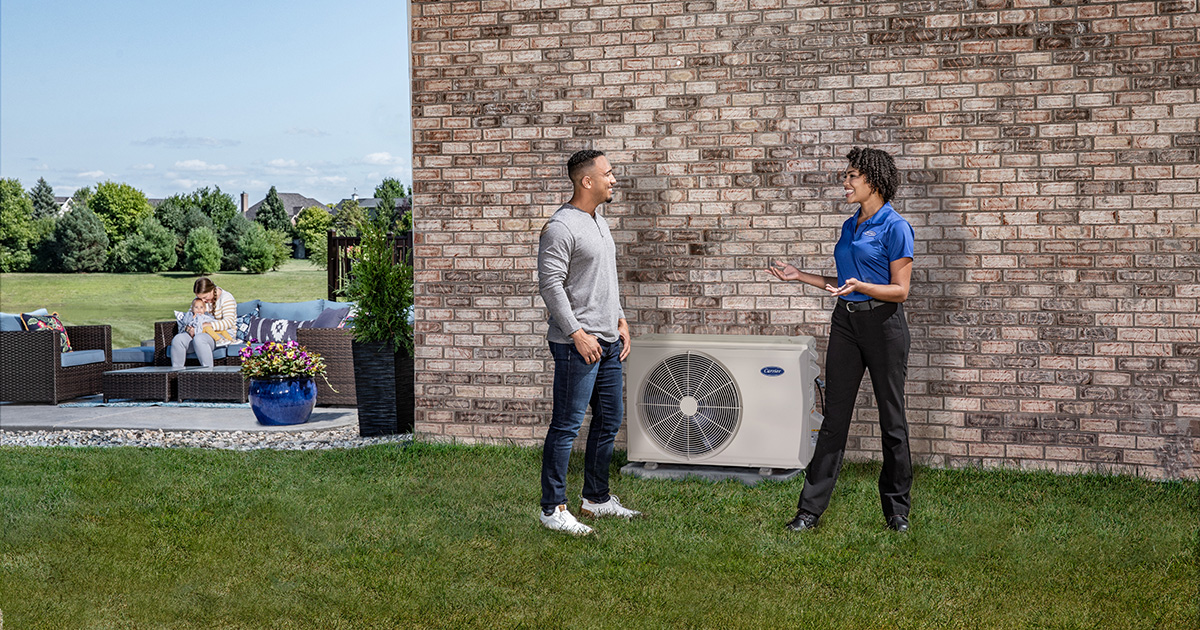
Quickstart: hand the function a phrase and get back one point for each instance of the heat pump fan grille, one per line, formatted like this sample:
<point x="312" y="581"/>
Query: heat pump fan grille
<point x="690" y="404"/>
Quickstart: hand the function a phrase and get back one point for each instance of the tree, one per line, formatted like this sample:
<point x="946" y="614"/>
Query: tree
<point x="44" y="204"/>
<point x="122" y="208"/>
<point x="404" y="212"/>
<point x="18" y="231"/>
<point x="348" y="218"/>
<point x="392" y="188"/>
<point x="203" y="253"/>
<point x="80" y="243"/>
<point x="272" y="215"/>
<point x="82" y="196"/>
<point x="257" y="250"/>
<point x="151" y="248"/>
<point x="230" y="238"/>
<point x="312" y="224"/>
<point x="219" y="207"/>
<point x="282" y="243"/>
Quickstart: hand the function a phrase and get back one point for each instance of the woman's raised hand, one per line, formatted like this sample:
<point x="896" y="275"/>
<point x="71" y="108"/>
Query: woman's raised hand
<point x="783" y="271"/>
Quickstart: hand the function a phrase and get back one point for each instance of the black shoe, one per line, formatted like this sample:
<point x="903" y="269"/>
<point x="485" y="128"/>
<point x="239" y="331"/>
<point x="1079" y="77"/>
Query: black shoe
<point x="898" y="523"/>
<point x="803" y="521"/>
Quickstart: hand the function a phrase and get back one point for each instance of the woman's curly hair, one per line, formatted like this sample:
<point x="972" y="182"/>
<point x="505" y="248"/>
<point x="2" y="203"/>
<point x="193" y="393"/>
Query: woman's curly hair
<point x="878" y="168"/>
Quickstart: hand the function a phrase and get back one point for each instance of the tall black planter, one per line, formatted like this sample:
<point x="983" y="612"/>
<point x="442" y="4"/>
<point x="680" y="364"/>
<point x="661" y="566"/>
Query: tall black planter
<point x="383" y="380"/>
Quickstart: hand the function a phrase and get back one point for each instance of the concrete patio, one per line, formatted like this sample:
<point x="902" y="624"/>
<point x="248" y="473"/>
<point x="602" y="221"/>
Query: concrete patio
<point x="41" y="417"/>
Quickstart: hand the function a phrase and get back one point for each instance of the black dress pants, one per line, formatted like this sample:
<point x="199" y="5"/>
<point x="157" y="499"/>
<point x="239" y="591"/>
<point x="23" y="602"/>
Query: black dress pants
<point x="876" y="340"/>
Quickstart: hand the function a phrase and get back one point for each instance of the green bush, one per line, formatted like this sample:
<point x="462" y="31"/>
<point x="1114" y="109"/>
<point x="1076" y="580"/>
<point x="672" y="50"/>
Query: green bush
<point x="257" y="250"/>
<point x="202" y="252"/>
<point x="150" y="249"/>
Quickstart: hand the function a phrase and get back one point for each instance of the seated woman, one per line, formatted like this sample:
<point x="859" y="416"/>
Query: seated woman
<point x="223" y="308"/>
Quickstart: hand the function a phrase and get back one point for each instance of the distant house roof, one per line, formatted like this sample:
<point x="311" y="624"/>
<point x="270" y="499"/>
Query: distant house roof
<point x="292" y="202"/>
<point x="370" y="204"/>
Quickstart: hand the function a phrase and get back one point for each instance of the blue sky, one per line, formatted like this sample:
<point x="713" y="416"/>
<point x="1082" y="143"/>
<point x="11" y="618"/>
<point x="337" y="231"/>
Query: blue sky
<point x="167" y="96"/>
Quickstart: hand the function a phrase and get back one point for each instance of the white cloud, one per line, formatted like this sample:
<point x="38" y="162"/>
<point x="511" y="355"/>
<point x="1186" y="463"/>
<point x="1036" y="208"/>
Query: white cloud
<point x="180" y="141"/>
<point x="186" y="184"/>
<point x="280" y="163"/>
<point x="92" y="174"/>
<point x="199" y="165"/>
<point x="383" y="157"/>
<point x="306" y="131"/>
<point x="329" y="179"/>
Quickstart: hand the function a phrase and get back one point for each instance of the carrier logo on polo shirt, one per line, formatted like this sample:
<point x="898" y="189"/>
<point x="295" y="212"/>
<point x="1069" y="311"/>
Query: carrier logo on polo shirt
<point x="870" y="233"/>
<point x="771" y="370"/>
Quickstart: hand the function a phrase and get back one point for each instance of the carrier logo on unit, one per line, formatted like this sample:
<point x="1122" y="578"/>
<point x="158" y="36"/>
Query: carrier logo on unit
<point x="772" y="370"/>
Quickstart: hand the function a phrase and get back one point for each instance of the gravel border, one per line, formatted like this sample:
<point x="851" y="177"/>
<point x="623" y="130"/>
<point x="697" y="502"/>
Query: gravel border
<point x="344" y="437"/>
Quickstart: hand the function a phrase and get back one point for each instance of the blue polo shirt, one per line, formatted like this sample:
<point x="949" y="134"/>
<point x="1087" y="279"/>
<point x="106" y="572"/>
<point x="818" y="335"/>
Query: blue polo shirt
<point x="866" y="251"/>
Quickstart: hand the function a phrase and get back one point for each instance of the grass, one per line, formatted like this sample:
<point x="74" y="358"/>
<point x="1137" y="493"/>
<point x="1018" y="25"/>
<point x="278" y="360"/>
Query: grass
<point x="434" y="536"/>
<point x="132" y="302"/>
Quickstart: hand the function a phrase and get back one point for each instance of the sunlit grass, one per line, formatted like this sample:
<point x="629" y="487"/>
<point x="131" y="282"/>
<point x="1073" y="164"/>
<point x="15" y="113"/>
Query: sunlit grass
<point x="447" y="537"/>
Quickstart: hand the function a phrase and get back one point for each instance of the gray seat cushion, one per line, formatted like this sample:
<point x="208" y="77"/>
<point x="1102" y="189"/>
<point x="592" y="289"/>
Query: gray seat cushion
<point x="138" y="354"/>
<point x="82" y="357"/>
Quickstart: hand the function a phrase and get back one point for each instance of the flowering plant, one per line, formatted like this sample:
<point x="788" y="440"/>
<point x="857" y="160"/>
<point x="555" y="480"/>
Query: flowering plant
<point x="273" y="359"/>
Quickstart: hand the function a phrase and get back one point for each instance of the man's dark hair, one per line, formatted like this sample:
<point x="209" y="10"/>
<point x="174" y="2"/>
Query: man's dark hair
<point x="878" y="168"/>
<point x="580" y="161"/>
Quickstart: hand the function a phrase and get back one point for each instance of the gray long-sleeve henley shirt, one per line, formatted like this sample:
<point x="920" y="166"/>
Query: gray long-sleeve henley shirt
<point x="577" y="275"/>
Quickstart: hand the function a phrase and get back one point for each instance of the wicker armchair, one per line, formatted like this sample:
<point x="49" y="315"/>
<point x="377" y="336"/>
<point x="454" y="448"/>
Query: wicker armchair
<point x="31" y="365"/>
<point x="331" y="343"/>
<point x="334" y="345"/>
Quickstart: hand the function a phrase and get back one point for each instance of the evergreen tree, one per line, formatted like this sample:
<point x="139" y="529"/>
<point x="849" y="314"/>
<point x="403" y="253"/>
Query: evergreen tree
<point x="203" y="253"/>
<point x="272" y="215"/>
<point x="80" y="242"/>
<point x="257" y="250"/>
<point x="392" y="188"/>
<point x="42" y="196"/>
<point x="230" y="236"/>
<point x="151" y="248"/>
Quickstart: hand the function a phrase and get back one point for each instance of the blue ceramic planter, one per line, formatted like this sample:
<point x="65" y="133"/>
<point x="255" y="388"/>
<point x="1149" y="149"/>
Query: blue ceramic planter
<point x="283" y="400"/>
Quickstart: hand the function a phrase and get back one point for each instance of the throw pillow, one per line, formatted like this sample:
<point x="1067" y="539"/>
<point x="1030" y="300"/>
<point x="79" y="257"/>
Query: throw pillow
<point x="263" y="330"/>
<point x="42" y="322"/>
<point x="243" y="326"/>
<point x="329" y="318"/>
<point x="348" y="320"/>
<point x="179" y="321"/>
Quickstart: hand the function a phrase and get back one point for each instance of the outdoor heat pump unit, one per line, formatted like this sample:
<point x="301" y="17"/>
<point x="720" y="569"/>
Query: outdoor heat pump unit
<point x="723" y="400"/>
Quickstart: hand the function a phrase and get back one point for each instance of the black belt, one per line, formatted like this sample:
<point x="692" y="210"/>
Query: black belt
<point x="855" y="307"/>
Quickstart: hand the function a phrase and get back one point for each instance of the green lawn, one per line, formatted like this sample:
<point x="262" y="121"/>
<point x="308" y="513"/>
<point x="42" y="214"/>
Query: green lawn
<point x="446" y="537"/>
<point x="132" y="302"/>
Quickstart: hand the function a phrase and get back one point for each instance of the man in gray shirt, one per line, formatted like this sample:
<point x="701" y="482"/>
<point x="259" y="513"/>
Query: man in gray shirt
<point x="589" y="338"/>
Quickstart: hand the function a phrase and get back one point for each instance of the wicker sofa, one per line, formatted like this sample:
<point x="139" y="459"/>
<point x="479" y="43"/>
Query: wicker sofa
<point x="33" y="367"/>
<point x="331" y="343"/>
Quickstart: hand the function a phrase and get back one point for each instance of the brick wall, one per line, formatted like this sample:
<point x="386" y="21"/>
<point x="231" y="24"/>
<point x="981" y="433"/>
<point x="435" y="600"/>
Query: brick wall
<point x="1049" y="152"/>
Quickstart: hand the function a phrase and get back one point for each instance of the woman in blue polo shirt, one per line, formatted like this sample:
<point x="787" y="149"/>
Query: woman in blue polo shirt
<point x="868" y="332"/>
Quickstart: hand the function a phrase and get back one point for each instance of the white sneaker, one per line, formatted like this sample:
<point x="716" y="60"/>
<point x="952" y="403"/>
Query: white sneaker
<point x="563" y="521"/>
<point x="611" y="507"/>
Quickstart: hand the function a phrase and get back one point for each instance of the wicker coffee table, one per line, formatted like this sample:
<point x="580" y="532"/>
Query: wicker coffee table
<point x="222" y="382"/>
<point x="143" y="383"/>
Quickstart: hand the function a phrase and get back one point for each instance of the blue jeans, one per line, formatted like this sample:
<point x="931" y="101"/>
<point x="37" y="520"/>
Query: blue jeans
<point x="577" y="385"/>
